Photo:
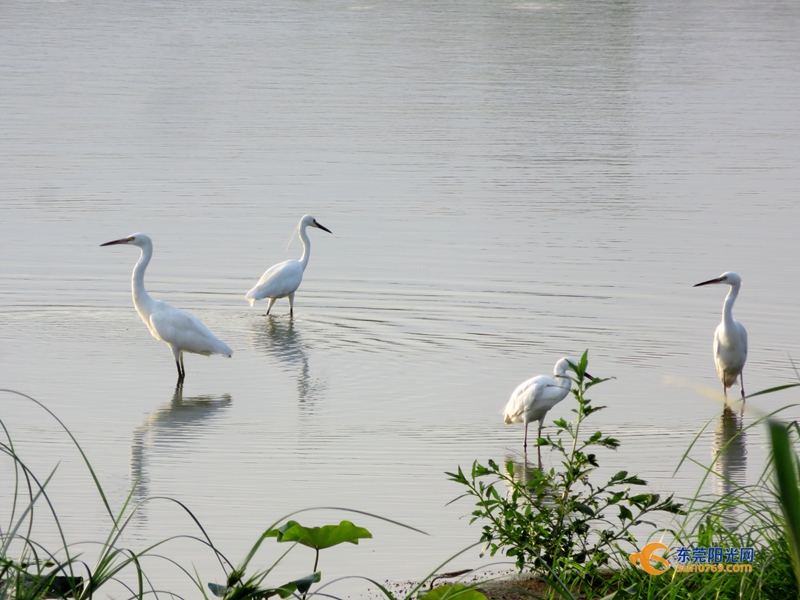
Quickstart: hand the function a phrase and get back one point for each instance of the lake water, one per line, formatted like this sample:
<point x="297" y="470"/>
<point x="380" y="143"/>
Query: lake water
<point x="506" y="182"/>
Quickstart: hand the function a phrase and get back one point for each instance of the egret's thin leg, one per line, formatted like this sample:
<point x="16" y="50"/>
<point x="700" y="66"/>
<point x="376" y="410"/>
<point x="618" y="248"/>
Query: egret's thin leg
<point x="741" y="382"/>
<point x="178" y="361"/>
<point x="291" y="304"/>
<point x="525" y="441"/>
<point x="538" y="447"/>
<point x="183" y="369"/>
<point x="269" y="305"/>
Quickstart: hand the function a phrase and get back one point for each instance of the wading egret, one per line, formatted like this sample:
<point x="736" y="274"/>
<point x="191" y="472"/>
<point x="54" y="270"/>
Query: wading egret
<point x="535" y="397"/>
<point x="180" y="330"/>
<point x="283" y="279"/>
<point x="730" y="338"/>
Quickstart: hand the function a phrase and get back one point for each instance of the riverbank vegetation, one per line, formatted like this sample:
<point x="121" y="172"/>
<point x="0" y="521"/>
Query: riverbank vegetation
<point x="575" y="534"/>
<point x="32" y="570"/>
<point x="583" y="538"/>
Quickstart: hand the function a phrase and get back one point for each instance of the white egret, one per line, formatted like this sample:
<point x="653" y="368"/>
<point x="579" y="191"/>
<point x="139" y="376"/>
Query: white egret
<point x="180" y="330"/>
<point x="730" y="338"/>
<point x="535" y="397"/>
<point x="283" y="279"/>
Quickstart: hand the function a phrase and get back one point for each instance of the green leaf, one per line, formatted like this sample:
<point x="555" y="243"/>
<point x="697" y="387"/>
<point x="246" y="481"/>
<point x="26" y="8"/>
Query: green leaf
<point x="642" y="500"/>
<point x="456" y="590"/>
<point x="250" y="591"/>
<point x="635" y="480"/>
<point x="319" y="537"/>
<point x="609" y="442"/>
<point x="619" y="476"/>
<point x="278" y="532"/>
<point x="301" y="585"/>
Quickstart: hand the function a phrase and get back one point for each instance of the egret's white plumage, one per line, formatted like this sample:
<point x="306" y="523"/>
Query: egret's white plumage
<point x="730" y="338"/>
<point x="283" y="279"/>
<point x="535" y="397"/>
<point x="178" y="329"/>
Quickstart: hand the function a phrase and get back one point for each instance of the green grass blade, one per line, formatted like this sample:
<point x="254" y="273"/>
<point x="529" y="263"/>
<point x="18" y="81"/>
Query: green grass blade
<point x="771" y="390"/>
<point x="788" y="490"/>
<point x="74" y="441"/>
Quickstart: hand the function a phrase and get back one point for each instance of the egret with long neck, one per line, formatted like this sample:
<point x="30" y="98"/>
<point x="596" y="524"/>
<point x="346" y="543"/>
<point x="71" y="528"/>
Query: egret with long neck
<point x="534" y="398"/>
<point x="181" y="331"/>
<point x="283" y="279"/>
<point x="730" y="338"/>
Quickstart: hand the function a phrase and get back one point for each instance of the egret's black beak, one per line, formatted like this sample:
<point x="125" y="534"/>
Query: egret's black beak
<point x="322" y="227"/>
<point x="122" y="241"/>
<point x="715" y="280"/>
<point x="585" y="374"/>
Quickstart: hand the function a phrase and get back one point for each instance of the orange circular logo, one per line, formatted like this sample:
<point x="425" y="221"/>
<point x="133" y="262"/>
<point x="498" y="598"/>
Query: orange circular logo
<point x="645" y="557"/>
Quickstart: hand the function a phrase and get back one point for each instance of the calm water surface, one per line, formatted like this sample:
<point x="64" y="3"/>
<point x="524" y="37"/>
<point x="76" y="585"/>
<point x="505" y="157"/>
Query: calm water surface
<point x="506" y="182"/>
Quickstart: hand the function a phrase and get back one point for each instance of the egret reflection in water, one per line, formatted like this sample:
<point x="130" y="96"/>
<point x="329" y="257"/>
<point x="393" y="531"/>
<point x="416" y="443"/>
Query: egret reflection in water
<point x="523" y="471"/>
<point x="172" y="429"/>
<point x="280" y="339"/>
<point x="729" y="451"/>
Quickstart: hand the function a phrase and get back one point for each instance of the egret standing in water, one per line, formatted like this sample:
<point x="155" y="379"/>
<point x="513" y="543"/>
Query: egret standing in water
<point x="283" y="279"/>
<point x="535" y="397"/>
<point x="730" y="338"/>
<point x="180" y="330"/>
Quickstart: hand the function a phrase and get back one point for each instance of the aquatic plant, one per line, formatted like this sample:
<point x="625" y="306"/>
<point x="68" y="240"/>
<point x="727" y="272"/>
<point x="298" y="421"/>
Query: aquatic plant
<point x="29" y="570"/>
<point x="34" y="571"/>
<point x="240" y="586"/>
<point x="764" y="517"/>
<point x="560" y="523"/>
<point x="765" y="520"/>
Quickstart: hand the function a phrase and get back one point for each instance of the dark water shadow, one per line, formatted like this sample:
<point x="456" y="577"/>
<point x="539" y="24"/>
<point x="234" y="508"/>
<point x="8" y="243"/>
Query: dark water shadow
<point x="278" y="338"/>
<point x="729" y="451"/>
<point x="175" y="427"/>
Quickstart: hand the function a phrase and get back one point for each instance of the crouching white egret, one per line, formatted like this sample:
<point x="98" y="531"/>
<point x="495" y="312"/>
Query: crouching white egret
<point x="535" y="397"/>
<point x="180" y="330"/>
<point x="283" y="279"/>
<point x="730" y="338"/>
